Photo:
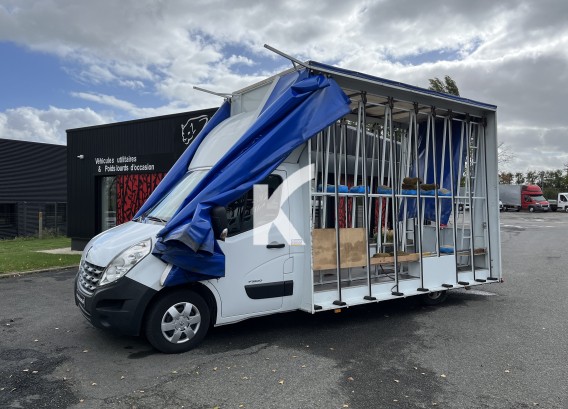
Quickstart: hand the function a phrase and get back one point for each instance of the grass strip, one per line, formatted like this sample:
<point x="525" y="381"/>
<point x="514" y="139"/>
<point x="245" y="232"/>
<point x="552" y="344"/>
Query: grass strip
<point x="21" y="254"/>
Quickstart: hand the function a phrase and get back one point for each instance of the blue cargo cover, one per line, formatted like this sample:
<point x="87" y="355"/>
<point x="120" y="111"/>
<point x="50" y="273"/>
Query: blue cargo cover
<point x="300" y="105"/>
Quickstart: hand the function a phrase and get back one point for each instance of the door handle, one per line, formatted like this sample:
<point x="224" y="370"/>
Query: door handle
<point x="275" y="245"/>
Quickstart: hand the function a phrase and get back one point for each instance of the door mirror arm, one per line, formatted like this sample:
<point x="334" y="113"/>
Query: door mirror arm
<point x="219" y="222"/>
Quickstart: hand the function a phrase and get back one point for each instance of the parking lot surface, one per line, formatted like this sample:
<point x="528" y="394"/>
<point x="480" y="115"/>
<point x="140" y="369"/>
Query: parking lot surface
<point x="495" y="346"/>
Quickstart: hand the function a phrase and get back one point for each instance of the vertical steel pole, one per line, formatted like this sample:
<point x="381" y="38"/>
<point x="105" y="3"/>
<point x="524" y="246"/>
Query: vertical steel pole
<point x="363" y="126"/>
<point x="470" y="195"/>
<point x="435" y="163"/>
<point x="448" y="130"/>
<point x="331" y="131"/>
<point x="418" y="219"/>
<point x="343" y="125"/>
<point x="395" y="188"/>
<point x="356" y="170"/>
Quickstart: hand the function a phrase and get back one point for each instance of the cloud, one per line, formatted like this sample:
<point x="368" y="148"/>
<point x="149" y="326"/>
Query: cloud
<point x="510" y="53"/>
<point x="140" y="112"/>
<point x="47" y="126"/>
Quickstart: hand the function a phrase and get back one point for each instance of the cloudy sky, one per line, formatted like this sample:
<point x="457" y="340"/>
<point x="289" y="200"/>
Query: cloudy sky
<point x="72" y="63"/>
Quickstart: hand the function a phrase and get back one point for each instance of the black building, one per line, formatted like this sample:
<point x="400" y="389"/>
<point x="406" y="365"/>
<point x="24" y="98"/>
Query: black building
<point x="33" y="182"/>
<point x="113" y="168"/>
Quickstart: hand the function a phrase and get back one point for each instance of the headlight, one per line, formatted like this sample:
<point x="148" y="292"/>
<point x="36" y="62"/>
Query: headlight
<point x="124" y="262"/>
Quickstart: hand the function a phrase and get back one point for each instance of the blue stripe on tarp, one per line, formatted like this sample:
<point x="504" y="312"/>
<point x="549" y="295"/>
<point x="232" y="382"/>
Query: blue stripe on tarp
<point x="303" y="105"/>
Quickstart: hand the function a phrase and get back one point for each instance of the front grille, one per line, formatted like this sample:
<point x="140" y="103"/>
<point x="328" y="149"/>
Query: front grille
<point x="89" y="276"/>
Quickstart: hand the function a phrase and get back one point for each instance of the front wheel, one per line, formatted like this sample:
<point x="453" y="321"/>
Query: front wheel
<point x="531" y="209"/>
<point x="177" y="322"/>
<point x="434" y="298"/>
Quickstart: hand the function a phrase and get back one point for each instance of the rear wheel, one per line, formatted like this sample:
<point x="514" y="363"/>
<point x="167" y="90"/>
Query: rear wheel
<point x="177" y="322"/>
<point x="434" y="298"/>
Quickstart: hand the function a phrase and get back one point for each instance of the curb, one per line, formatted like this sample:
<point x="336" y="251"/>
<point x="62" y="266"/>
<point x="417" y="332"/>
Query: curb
<point x="45" y="270"/>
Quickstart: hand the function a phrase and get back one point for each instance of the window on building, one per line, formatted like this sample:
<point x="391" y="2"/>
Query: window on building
<point x="7" y="214"/>
<point x="240" y="212"/>
<point x="108" y="202"/>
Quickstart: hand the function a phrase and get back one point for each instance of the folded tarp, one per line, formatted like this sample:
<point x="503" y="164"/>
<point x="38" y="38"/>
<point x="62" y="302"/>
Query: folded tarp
<point x="301" y="105"/>
<point x="358" y="189"/>
<point x="331" y="189"/>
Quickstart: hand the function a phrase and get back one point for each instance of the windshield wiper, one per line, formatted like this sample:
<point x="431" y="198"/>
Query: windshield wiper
<point x="156" y="219"/>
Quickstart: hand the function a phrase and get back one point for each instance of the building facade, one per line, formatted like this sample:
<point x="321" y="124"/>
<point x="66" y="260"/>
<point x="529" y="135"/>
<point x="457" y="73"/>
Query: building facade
<point x="113" y="168"/>
<point x="33" y="189"/>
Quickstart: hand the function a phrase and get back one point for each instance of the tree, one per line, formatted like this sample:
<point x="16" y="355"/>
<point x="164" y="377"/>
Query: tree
<point x="504" y="155"/>
<point x="506" y="178"/>
<point x="448" y="86"/>
<point x="519" y="178"/>
<point x="532" y="177"/>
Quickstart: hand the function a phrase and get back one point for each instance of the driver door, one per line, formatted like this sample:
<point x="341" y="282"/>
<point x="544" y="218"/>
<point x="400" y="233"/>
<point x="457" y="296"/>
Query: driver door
<point x="254" y="273"/>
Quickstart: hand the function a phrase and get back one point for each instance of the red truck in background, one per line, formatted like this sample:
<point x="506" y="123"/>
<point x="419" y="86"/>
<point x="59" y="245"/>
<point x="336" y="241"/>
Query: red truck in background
<point x="525" y="197"/>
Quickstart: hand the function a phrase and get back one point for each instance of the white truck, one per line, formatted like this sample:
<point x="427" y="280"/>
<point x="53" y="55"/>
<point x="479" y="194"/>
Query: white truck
<point x="562" y="202"/>
<point x="316" y="189"/>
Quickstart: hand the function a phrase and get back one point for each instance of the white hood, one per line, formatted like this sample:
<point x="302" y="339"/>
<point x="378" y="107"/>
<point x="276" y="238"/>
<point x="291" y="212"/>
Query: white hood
<point x="103" y="248"/>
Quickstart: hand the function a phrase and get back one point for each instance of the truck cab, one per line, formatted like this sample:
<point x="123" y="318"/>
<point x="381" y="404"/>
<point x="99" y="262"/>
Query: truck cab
<point x="533" y="200"/>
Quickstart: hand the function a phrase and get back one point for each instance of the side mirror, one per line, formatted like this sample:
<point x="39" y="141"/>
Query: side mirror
<point x="219" y="222"/>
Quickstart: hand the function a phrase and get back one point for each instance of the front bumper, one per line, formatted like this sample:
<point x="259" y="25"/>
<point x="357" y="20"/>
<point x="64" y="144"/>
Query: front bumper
<point x="119" y="306"/>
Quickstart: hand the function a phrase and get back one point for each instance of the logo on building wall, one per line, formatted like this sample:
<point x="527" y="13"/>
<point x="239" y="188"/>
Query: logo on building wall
<point x="192" y="127"/>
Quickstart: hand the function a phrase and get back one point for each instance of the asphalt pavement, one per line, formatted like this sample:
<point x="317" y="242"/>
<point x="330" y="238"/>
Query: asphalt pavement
<point x="495" y="346"/>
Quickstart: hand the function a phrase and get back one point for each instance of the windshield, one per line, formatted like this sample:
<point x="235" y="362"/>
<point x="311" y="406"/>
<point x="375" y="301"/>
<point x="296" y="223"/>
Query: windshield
<point x="166" y="208"/>
<point x="539" y="198"/>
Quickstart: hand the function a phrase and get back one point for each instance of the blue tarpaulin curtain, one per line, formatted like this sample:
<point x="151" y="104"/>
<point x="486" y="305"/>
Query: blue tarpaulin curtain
<point x="301" y="105"/>
<point x="180" y="167"/>
<point x="429" y="203"/>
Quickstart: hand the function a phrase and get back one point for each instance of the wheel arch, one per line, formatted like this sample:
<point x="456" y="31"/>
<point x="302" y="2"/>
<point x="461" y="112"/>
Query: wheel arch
<point x="204" y="291"/>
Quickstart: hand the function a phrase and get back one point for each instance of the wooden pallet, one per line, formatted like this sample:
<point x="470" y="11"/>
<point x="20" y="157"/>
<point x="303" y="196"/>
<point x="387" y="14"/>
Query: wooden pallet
<point x="352" y="250"/>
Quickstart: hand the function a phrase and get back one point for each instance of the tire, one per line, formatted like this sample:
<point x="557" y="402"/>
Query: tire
<point x="434" y="298"/>
<point x="566" y="209"/>
<point x="531" y="209"/>
<point x="518" y="209"/>
<point x="177" y="322"/>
